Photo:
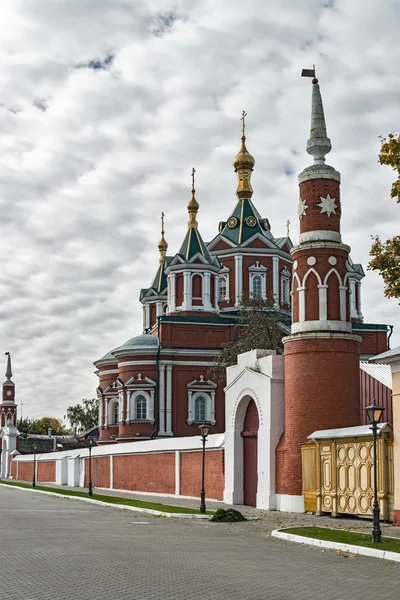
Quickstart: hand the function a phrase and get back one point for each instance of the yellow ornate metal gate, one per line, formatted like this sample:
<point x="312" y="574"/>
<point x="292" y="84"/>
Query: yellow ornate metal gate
<point x="338" y="475"/>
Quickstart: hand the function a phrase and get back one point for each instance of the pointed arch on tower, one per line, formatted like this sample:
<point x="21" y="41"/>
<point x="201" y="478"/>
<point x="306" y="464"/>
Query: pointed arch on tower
<point x="329" y="273"/>
<point x="317" y="275"/>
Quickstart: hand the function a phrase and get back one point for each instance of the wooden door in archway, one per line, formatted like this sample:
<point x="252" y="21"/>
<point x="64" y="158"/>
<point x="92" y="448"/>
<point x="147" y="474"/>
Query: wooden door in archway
<point x="250" y="452"/>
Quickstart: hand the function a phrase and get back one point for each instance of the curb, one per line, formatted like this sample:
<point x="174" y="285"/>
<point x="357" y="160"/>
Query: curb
<point x="300" y="539"/>
<point x="158" y="513"/>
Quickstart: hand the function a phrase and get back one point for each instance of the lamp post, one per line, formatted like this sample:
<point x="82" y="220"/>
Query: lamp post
<point x="90" y="443"/>
<point x="204" y="430"/>
<point x="34" y="448"/>
<point x="374" y="414"/>
<point x="1" y="464"/>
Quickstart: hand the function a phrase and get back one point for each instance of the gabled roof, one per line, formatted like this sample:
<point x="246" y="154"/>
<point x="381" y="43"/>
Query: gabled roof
<point x="246" y="221"/>
<point x="193" y="244"/>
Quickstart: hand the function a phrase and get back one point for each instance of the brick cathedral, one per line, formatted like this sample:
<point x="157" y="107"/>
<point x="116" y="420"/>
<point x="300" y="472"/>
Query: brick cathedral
<point x="156" y="384"/>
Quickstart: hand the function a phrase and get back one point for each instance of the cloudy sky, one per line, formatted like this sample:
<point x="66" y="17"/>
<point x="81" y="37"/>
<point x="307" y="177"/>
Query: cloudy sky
<point x="105" y="106"/>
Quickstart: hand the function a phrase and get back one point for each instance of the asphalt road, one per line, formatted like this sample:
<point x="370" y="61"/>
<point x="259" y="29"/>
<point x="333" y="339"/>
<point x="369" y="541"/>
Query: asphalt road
<point x="60" y="549"/>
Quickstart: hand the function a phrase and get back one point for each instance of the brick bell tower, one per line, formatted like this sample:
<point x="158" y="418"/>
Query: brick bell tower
<point x="8" y="408"/>
<point x="322" y="353"/>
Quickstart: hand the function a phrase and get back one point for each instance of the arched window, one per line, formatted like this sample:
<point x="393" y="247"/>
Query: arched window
<point x="141" y="408"/>
<point x="114" y="414"/>
<point x="222" y="288"/>
<point x="256" y="285"/>
<point x="200" y="409"/>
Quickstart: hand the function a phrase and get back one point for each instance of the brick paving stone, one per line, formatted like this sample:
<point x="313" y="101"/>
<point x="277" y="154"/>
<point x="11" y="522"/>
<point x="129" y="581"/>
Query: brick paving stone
<point x="55" y="548"/>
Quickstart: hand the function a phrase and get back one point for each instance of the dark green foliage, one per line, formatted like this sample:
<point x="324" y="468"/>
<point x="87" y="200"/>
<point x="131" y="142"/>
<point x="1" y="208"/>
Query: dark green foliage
<point x="227" y="516"/>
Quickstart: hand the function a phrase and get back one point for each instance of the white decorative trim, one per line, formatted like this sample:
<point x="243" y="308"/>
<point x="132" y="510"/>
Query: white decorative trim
<point x="315" y="273"/>
<point x="177" y="473"/>
<point x="319" y="244"/>
<point x="111" y="472"/>
<point x="329" y="273"/>
<point x="342" y="293"/>
<point x="238" y="278"/>
<point x="209" y="406"/>
<point x="258" y="270"/>
<point x="302" y="304"/>
<point x="161" y="392"/>
<point x="169" y="401"/>
<point x="187" y="291"/>
<point x="172" y="292"/>
<point x="319" y="172"/>
<point x="149" y="406"/>
<point x="147" y="316"/>
<point x="275" y="279"/>
<point x="325" y="335"/>
<point x="287" y="503"/>
<point x="323" y="303"/>
<point x="307" y="326"/>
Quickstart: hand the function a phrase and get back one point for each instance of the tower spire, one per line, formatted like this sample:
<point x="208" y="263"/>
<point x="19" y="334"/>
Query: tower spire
<point x="244" y="163"/>
<point x="193" y="206"/>
<point x="8" y="370"/>
<point x="318" y="144"/>
<point x="162" y="244"/>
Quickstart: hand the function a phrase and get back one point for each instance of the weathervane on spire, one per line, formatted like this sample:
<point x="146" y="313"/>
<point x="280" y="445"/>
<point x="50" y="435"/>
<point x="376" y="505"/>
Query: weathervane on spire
<point x="244" y="115"/>
<point x="310" y="73"/>
<point x="287" y="228"/>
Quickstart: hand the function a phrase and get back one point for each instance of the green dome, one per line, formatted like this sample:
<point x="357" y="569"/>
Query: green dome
<point x="139" y="342"/>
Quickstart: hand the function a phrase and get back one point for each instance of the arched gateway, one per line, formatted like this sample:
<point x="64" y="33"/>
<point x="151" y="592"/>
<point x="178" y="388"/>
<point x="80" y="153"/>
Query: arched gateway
<point x="254" y="419"/>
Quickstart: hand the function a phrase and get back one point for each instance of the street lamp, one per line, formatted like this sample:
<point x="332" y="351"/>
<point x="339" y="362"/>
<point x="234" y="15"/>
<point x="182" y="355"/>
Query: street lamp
<point x="90" y="443"/>
<point x="374" y="414"/>
<point x="34" y="448"/>
<point x="1" y="464"/>
<point x="204" y="430"/>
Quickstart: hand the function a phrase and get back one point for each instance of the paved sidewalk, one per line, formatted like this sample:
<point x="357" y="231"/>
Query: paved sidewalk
<point x="267" y="520"/>
<point x="56" y="548"/>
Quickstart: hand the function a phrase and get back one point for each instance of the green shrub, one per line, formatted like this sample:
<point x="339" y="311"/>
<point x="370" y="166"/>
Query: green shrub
<point x="227" y="516"/>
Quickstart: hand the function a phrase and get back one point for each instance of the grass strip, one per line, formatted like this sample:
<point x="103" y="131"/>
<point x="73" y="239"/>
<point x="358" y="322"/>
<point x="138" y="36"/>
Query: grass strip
<point x="110" y="499"/>
<point x="345" y="537"/>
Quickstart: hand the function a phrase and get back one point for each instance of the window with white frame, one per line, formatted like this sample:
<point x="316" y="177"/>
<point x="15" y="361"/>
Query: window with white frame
<point x="201" y="406"/>
<point x="140" y="408"/>
<point x="200" y="409"/>
<point x="285" y="286"/>
<point x="222" y="288"/>
<point x="258" y="281"/>
<point x="256" y="286"/>
<point x="285" y="291"/>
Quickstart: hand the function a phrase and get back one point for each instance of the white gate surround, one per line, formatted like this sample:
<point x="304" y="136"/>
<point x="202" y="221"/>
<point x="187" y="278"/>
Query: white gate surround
<point x="258" y="376"/>
<point x="9" y="435"/>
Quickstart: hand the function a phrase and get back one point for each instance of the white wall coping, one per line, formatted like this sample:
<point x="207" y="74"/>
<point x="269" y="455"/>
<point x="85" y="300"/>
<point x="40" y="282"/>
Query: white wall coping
<point x="214" y="441"/>
<point x="301" y="539"/>
<point x="358" y="431"/>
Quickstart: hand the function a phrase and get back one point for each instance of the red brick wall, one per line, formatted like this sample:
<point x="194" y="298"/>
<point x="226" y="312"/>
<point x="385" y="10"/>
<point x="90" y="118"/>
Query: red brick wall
<point x="46" y="471"/>
<point x="13" y="469"/>
<point x="191" y="474"/>
<point x="310" y="192"/>
<point x="145" y="472"/>
<point x="100" y="472"/>
<point x="179" y="289"/>
<point x="322" y="391"/>
<point x="25" y="471"/>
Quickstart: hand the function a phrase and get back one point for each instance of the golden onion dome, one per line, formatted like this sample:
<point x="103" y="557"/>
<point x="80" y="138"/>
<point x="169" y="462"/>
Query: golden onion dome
<point x="243" y="159"/>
